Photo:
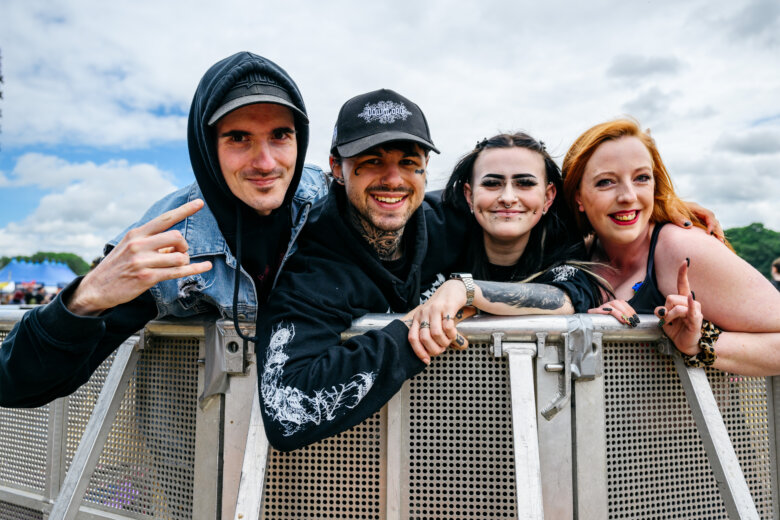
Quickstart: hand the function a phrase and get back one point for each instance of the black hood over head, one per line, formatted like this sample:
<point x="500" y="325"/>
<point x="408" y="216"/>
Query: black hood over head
<point x="202" y="139"/>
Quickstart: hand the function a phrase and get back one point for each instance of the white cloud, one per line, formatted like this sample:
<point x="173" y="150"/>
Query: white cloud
<point x="691" y="70"/>
<point x="90" y="205"/>
<point x="735" y="186"/>
<point x="757" y="141"/>
<point x="636" y="67"/>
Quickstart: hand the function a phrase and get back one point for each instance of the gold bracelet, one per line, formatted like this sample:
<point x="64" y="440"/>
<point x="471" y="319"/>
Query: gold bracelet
<point x="709" y="335"/>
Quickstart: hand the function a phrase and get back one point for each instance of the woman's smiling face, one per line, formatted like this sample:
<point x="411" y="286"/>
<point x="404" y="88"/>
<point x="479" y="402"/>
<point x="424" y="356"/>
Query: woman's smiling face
<point x="509" y="193"/>
<point x="617" y="190"/>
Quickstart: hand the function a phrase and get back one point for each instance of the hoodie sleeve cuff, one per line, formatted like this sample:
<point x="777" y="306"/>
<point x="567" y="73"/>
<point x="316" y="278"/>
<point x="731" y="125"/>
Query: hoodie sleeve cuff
<point x="409" y="361"/>
<point x="64" y="327"/>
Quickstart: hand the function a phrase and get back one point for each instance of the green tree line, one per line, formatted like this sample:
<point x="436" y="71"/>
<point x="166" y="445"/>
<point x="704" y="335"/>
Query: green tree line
<point x="75" y="262"/>
<point x="758" y="245"/>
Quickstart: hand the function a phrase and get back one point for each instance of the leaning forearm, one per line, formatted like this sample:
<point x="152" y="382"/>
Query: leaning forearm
<point x="748" y="353"/>
<point x="506" y="298"/>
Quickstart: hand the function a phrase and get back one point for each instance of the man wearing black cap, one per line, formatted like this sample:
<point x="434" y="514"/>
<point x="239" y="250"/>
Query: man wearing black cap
<point x="368" y="247"/>
<point x="247" y="139"/>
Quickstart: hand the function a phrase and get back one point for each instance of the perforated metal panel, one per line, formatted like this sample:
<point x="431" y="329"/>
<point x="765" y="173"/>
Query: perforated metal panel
<point x="459" y="438"/>
<point x="656" y="464"/>
<point x="147" y="464"/>
<point x="24" y="435"/>
<point x="14" y="512"/>
<point x="340" y="477"/>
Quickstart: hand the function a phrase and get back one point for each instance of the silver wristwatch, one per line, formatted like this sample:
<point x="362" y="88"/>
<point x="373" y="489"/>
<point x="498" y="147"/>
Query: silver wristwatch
<point x="468" y="281"/>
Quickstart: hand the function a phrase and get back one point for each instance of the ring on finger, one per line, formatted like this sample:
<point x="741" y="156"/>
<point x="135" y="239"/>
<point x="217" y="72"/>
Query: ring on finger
<point x="424" y="325"/>
<point x="447" y="317"/>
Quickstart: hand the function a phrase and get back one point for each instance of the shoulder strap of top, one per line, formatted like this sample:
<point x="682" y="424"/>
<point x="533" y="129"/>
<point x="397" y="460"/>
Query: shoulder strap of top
<point x="651" y="253"/>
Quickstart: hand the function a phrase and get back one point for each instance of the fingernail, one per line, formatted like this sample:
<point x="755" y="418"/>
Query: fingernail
<point x="636" y="319"/>
<point x="427" y="361"/>
<point x="688" y="261"/>
<point x="662" y="312"/>
<point x="625" y="318"/>
<point x="693" y="294"/>
<point x="687" y="223"/>
<point x="608" y="309"/>
<point x="661" y="322"/>
<point x="712" y="233"/>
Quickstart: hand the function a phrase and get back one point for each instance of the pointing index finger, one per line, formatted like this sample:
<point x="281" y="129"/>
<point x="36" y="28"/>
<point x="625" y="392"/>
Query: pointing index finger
<point x="683" y="287"/>
<point x="169" y="218"/>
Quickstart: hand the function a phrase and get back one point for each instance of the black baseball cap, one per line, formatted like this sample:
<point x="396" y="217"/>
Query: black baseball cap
<point x="379" y="117"/>
<point x="255" y="88"/>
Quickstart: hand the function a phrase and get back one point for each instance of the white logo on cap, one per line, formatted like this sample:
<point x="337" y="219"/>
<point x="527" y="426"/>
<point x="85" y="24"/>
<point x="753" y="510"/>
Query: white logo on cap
<point x="384" y="112"/>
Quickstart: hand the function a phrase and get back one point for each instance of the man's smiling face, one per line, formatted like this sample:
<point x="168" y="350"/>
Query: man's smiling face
<point x="386" y="183"/>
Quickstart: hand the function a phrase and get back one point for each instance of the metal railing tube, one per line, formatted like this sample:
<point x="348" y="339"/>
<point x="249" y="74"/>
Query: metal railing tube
<point x="524" y="328"/>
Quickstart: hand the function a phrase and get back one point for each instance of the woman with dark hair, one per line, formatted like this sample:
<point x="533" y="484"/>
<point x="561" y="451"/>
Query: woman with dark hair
<point x="717" y="309"/>
<point x="519" y="232"/>
<point x="525" y="176"/>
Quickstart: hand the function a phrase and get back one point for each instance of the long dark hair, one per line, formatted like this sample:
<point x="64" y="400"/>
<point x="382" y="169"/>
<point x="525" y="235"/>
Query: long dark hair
<point x="555" y="240"/>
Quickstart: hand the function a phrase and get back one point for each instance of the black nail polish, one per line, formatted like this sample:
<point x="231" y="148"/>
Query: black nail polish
<point x="687" y="223"/>
<point x="608" y="309"/>
<point x="693" y="294"/>
<point x="688" y="261"/>
<point x="661" y="322"/>
<point x="662" y="312"/>
<point x="636" y="318"/>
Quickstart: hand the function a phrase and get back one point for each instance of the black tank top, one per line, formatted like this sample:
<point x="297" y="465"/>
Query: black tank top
<point x="648" y="297"/>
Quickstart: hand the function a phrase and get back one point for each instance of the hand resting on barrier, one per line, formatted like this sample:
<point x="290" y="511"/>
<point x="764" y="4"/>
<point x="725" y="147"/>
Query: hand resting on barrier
<point x="446" y="308"/>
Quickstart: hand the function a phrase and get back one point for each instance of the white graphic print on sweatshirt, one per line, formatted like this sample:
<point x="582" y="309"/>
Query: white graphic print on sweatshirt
<point x="291" y="406"/>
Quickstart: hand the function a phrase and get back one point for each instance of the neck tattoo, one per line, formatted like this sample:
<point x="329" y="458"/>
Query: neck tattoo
<point x="387" y="244"/>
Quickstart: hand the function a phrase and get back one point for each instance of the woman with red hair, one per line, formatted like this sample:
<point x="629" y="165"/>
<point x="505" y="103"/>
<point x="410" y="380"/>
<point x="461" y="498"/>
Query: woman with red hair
<point x="717" y="309"/>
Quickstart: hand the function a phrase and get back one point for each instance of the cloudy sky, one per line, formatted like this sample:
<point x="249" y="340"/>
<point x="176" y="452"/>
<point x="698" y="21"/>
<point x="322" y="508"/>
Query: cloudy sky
<point x="96" y="93"/>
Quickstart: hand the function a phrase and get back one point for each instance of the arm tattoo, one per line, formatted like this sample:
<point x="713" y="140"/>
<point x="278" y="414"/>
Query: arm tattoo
<point x="523" y="295"/>
<point x="387" y="244"/>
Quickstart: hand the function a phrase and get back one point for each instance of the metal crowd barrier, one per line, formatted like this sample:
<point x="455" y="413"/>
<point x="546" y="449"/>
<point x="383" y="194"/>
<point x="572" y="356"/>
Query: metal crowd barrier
<point x="542" y="417"/>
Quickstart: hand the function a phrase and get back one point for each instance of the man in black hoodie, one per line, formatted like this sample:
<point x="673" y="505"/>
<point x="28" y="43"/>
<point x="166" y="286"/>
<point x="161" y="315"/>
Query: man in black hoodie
<point x="247" y="138"/>
<point x="373" y="245"/>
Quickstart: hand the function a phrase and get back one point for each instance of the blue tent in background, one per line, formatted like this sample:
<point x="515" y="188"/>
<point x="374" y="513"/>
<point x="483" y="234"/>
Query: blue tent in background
<point x="43" y="273"/>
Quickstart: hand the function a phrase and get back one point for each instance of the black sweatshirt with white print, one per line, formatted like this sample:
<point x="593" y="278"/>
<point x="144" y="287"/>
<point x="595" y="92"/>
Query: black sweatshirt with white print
<point x="313" y="386"/>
